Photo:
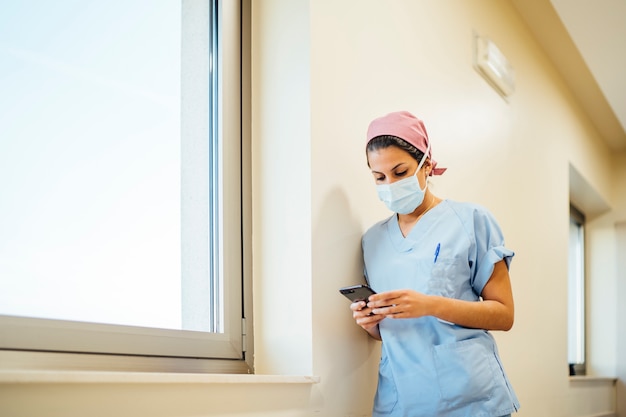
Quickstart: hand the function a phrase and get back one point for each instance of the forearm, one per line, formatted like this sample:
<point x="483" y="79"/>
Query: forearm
<point x="486" y="314"/>
<point x="495" y="312"/>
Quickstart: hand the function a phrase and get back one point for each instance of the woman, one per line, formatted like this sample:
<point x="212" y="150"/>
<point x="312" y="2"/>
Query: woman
<point x="440" y="269"/>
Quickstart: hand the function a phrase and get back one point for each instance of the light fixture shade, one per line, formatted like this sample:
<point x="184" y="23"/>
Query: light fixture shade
<point x="493" y="66"/>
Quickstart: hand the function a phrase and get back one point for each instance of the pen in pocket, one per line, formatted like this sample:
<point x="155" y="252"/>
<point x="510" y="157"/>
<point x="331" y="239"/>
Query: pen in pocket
<point x="437" y="252"/>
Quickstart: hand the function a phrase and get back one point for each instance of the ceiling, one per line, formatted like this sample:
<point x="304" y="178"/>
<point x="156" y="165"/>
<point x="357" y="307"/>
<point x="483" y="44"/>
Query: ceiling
<point x="586" y="41"/>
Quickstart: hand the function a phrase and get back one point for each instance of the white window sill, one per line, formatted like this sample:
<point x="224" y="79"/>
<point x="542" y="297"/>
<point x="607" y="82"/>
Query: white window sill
<point x="98" y="377"/>
<point x="591" y="379"/>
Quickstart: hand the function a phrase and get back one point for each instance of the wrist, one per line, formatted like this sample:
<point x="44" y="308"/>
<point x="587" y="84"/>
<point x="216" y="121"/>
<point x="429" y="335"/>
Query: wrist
<point x="434" y="305"/>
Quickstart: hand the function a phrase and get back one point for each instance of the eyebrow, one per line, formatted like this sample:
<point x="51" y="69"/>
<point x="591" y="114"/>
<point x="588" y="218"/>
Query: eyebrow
<point x="376" y="172"/>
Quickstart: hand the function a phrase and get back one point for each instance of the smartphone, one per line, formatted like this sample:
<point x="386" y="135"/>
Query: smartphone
<point x="357" y="292"/>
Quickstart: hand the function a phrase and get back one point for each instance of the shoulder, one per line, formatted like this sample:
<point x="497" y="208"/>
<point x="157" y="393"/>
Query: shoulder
<point x="468" y="211"/>
<point x="377" y="228"/>
<point x="473" y="216"/>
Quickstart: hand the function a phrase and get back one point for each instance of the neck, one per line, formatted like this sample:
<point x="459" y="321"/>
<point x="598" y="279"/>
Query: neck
<point x="429" y="202"/>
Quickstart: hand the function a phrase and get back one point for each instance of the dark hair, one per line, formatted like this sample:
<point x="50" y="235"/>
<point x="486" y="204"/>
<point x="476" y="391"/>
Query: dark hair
<point x="385" y="141"/>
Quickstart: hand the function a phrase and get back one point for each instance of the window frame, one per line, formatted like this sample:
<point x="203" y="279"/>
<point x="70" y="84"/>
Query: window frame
<point x="54" y="344"/>
<point x="577" y="294"/>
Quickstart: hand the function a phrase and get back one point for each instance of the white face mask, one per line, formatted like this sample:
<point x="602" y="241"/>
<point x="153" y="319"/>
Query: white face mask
<point x="404" y="196"/>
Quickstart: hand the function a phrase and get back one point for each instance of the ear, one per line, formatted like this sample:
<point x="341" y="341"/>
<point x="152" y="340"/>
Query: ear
<point x="427" y="167"/>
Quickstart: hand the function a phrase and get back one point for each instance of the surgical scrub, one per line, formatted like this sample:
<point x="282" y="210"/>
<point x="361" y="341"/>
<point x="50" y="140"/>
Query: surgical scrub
<point x="430" y="367"/>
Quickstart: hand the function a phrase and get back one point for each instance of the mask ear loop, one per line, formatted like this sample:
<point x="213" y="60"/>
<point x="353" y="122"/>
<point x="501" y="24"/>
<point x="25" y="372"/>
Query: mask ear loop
<point x="419" y="166"/>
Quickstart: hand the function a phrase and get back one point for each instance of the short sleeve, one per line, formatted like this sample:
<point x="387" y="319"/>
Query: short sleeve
<point x="489" y="248"/>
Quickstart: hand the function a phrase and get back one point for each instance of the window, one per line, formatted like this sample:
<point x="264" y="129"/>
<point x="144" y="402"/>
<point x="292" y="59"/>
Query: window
<point x="120" y="161"/>
<point x="576" y="296"/>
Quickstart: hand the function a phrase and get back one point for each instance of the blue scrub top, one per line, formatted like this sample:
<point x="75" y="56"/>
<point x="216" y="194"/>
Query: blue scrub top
<point x="430" y="367"/>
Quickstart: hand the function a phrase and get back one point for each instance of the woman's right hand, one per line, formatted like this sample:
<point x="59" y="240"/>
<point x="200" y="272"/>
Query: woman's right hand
<point x="364" y="317"/>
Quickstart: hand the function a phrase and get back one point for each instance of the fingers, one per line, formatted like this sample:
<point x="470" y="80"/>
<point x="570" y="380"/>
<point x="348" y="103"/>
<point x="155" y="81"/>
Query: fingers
<point x="390" y="304"/>
<point x="384" y="299"/>
<point x="368" y="321"/>
<point x="384" y="310"/>
<point x="360" y="309"/>
<point x="394" y="311"/>
<point x="364" y="316"/>
<point x="357" y="305"/>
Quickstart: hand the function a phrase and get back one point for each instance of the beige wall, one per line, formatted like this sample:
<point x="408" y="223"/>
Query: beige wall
<point x="321" y="71"/>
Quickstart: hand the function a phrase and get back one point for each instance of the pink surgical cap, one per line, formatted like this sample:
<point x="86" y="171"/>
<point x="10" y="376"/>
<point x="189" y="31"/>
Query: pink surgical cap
<point x="407" y="127"/>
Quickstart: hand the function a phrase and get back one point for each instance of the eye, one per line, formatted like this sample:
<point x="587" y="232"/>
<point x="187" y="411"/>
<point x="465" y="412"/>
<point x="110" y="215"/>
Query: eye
<point x="401" y="173"/>
<point x="379" y="178"/>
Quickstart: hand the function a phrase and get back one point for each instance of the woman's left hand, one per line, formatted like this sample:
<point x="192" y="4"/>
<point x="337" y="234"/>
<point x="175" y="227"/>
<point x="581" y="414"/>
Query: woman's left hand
<point x="400" y="304"/>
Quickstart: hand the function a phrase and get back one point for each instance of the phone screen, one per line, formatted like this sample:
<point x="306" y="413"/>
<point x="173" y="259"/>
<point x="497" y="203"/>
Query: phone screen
<point x="357" y="292"/>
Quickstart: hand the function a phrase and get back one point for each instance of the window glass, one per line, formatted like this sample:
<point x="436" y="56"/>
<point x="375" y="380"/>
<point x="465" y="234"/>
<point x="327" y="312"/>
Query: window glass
<point x="576" y="292"/>
<point x="90" y="161"/>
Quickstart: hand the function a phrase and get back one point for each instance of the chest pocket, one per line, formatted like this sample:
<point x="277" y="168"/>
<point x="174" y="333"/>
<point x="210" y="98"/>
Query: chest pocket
<point x="447" y="276"/>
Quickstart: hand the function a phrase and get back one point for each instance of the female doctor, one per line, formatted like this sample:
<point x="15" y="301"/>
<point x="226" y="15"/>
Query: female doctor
<point x="440" y="270"/>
